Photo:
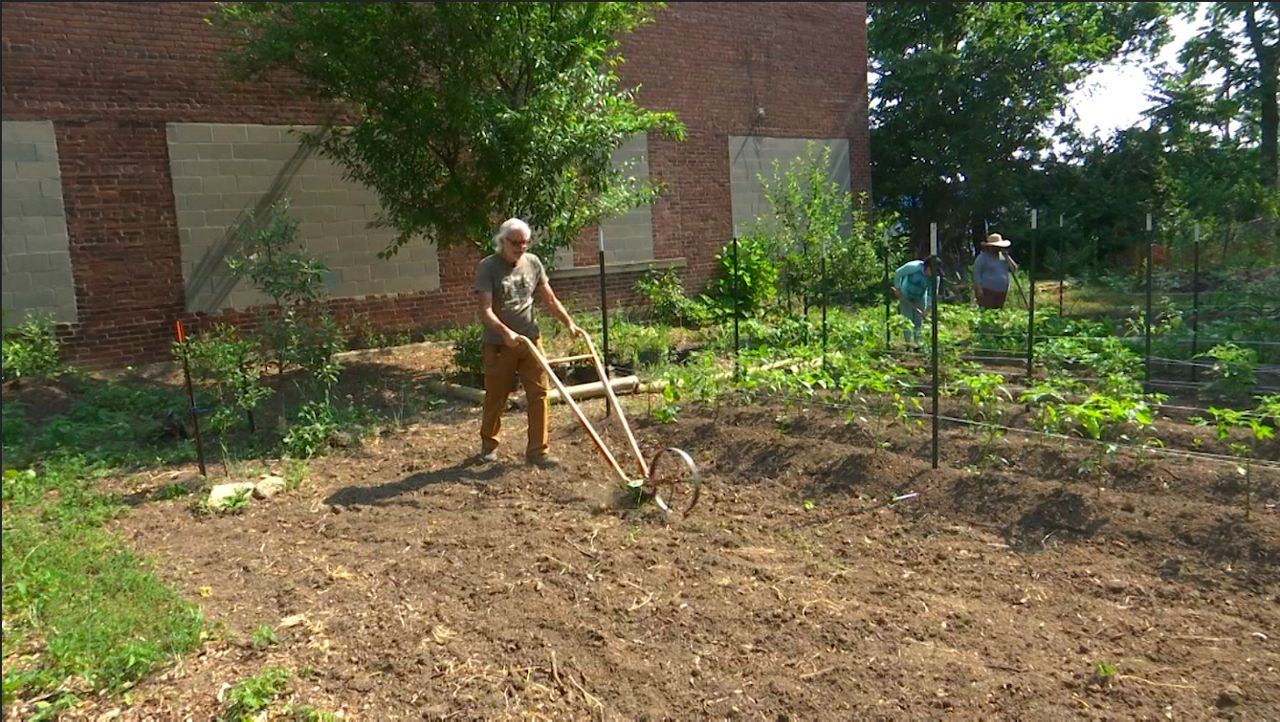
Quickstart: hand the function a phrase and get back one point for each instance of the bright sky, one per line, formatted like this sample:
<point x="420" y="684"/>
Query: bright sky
<point x="1116" y="95"/>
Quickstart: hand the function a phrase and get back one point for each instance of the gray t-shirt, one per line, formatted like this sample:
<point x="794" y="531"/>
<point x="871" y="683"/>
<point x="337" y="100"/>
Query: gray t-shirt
<point x="512" y="288"/>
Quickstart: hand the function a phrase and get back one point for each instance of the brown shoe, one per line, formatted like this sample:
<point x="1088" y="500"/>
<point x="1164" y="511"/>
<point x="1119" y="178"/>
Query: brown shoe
<point x="544" y="461"/>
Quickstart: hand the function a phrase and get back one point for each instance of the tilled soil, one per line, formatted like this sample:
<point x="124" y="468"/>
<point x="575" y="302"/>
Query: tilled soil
<point x="406" y="582"/>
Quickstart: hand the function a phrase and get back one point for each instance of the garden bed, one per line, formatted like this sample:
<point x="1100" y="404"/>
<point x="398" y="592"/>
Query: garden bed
<point x="401" y="581"/>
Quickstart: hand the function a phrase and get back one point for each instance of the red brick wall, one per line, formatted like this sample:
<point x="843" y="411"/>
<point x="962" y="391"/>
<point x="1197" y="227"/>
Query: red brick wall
<point x="110" y="75"/>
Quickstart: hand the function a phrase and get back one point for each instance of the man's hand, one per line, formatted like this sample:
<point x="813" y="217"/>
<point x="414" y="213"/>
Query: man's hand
<point x="896" y="292"/>
<point x="575" y="330"/>
<point x="512" y="339"/>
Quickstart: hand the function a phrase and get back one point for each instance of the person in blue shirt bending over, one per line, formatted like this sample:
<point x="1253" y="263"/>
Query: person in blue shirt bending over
<point x="913" y="286"/>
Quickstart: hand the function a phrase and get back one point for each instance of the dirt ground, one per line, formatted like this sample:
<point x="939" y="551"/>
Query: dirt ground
<point x="407" y="583"/>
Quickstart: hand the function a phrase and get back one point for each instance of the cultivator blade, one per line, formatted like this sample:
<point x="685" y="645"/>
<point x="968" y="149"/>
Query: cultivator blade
<point x="676" y="485"/>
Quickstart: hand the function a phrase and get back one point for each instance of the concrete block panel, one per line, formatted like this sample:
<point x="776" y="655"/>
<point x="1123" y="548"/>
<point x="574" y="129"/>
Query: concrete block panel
<point x="751" y="157"/>
<point x="631" y="235"/>
<point x="223" y="173"/>
<point x="37" y="263"/>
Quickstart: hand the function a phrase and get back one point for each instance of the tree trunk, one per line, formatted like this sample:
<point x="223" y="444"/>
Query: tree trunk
<point x="1269" y="68"/>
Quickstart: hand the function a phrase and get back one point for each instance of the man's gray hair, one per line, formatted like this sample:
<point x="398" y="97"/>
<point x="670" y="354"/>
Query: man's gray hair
<point x="508" y="226"/>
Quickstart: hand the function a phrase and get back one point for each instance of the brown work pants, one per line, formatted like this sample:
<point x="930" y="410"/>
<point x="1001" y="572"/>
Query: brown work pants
<point x="501" y="364"/>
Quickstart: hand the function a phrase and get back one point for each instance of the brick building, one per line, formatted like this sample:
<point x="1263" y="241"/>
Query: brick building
<point x="128" y="158"/>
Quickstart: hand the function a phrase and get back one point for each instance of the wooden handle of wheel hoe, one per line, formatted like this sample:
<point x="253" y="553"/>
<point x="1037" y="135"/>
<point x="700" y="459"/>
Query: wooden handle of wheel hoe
<point x="617" y="406"/>
<point x="577" y="411"/>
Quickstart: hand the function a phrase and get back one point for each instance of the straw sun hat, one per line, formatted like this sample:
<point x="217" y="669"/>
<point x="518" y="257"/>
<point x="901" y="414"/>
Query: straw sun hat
<point x="995" y="240"/>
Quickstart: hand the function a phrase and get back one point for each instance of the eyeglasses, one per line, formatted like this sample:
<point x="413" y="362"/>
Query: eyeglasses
<point x="517" y="241"/>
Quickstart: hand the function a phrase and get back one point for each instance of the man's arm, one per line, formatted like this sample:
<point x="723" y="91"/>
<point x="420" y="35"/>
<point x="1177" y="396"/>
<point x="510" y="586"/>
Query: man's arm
<point x="1013" y="267"/>
<point x="491" y="320"/>
<point x="557" y="309"/>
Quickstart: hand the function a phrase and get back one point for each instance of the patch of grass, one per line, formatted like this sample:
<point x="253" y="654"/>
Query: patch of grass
<point x="77" y="602"/>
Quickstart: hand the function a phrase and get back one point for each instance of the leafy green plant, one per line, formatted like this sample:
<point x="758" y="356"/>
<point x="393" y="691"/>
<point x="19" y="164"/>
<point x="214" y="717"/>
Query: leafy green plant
<point x="820" y="239"/>
<point x="985" y="394"/>
<point x="230" y="367"/>
<point x="254" y="694"/>
<point x="296" y="329"/>
<point x="1225" y="420"/>
<point x="30" y="349"/>
<point x="468" y="350"/>
<point x="750" y="283"/>
<point x="666" y="413"/>
<point x="311" y="430"/>
<point x="638" y="345"/>
<point x="1268" y="408"/>
<point x="1234" y="369"/>
<point x="907" y="410"/>
<point x="295" y="473"/>
<point x="237" y="502"/>
<point x="664" y="290"/>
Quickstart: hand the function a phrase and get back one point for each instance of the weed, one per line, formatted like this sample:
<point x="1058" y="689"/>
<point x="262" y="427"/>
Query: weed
<point x="237" y="502"/>
<point x="1104" y="674"/>
<point x="263" y="636"/>
<point x="307" y="713"/>
<point x="175" y="490"/>
<point x="295" y="473"/>
<point x="666" y="413"/>
<point x="256" y="693"/>
<point x="310" y="433"/>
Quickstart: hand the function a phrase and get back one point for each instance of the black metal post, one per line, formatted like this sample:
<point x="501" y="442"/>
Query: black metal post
<point x="737" y="371"/>
<point x="191" y="398"/>
<point x="1195" y="302"/>
<point x="1062" y="261"/>
<point x="824" y="307"/>
<point x="1146" y="320"/>
<point x="887" y="294"/>
<point x="933" y="342"/>
<point x="604" y="315"/>
<point x="1031" y="303"/>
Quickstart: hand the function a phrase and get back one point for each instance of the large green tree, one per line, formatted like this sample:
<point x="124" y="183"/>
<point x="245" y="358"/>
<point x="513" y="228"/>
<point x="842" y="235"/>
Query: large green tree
<point x="462" y="114"/>
<point x="1238" y="46"/>
<point x="964" y="96"/>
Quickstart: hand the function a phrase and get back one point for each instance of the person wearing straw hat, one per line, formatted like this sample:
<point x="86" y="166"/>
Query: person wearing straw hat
<point x="913" y="287"/>
<point x="991" y="270"/>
